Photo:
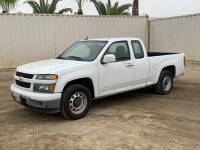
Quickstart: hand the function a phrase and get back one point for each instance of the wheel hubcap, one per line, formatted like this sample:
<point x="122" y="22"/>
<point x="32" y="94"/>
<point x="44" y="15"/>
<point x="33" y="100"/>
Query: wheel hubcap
<point x="78" y="102"/>
<point x="167" y="83"/>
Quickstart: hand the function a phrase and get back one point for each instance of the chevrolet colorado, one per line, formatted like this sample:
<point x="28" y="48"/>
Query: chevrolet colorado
<point x="91" y="69"/>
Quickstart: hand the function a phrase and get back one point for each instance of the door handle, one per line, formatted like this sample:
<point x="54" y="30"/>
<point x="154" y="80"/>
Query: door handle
<point x="129" y="65"/>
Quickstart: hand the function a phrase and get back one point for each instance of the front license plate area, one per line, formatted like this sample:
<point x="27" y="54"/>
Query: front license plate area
<point x="17" y="97"/>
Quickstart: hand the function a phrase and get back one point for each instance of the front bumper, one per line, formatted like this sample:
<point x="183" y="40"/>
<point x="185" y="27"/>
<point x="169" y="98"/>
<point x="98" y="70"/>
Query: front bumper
<point x="49" y="103"/>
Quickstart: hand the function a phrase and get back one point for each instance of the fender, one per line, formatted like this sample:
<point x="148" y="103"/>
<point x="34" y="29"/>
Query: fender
<point x="156" y="68"/>
<point x="91" y="73"/>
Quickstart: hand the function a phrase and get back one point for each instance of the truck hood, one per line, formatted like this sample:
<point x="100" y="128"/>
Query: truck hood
<point x="52" y="66"/>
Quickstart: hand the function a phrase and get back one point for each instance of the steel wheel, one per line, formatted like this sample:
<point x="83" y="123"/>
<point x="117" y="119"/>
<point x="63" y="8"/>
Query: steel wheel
<point x="167" y="83"/>
<point x="75" y="102"/>
<point x="78" y="102"/>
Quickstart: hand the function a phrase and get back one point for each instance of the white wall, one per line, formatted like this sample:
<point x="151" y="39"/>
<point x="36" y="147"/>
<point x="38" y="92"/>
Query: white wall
<point x="27" y="38"/>
<point x="177" y="34"/>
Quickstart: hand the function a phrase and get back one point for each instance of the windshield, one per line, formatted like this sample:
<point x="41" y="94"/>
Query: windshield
<point x="83" y="51"/>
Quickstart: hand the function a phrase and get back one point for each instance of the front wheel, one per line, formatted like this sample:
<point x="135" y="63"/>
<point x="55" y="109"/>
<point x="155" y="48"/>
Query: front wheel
<point x="165" y="83"/>
<point x="75" y="102"/>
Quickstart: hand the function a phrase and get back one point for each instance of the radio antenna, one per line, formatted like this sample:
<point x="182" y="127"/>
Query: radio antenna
<point x="86" y="38"/>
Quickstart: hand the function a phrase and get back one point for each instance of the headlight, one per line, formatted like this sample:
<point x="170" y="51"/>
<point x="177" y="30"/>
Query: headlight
<point x="46" y="77"/>
<point x="43" y="88"/>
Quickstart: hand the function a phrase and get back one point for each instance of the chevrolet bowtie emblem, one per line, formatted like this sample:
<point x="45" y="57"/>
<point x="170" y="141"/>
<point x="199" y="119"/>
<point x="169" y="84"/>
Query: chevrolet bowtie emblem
<point x="21" y="79"/>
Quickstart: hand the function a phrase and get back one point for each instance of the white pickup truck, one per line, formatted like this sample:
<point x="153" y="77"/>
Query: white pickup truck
<point x="91" y="69"/>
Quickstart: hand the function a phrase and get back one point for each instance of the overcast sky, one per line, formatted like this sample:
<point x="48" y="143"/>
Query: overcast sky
<point x="154" y="8"/>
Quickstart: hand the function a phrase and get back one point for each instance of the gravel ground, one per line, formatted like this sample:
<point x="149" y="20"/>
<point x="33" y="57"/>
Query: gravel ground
<point x="134" y="120"/>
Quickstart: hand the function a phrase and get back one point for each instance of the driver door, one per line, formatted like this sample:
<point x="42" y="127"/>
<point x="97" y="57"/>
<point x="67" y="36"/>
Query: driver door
<point x="117" y="76"/>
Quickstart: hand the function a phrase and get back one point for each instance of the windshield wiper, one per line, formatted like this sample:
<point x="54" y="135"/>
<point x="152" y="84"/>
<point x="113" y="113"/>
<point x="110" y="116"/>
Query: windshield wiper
<point x="59" y="57"/>
<point x="75" y="57"/>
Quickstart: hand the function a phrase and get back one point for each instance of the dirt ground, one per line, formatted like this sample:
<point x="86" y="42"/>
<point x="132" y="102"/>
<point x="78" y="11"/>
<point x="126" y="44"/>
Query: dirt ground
<point x="134" y="120"/>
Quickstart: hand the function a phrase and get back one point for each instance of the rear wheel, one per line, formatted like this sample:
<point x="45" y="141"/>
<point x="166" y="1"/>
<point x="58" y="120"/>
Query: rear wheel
<point x="165" y="83"/>
<point x="76" y="101"/>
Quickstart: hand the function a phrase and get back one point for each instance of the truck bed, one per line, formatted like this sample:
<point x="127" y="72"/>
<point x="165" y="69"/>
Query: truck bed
<point x="152" y="54"/>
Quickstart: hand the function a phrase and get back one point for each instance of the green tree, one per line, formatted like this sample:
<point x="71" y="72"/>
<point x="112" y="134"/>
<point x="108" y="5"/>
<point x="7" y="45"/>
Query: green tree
<point x="135" y="11"/>
<point x="80" y="6"/>
<point x="108" y="9"/>
<point x="7" y="5"/>
<point x="44" y="7"/>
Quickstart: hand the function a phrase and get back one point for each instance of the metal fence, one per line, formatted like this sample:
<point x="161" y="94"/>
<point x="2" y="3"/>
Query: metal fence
<point x="176" y="34"/>
<point x="27" y="38"/>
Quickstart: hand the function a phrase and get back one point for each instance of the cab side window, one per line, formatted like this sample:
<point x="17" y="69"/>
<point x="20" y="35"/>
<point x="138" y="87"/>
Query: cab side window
<point x="137" y="49"/>
<point x="120" y="50"/>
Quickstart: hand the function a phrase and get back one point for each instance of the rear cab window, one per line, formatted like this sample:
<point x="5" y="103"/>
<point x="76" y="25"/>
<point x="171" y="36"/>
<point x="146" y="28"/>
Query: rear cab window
<point x="137" y="49"/>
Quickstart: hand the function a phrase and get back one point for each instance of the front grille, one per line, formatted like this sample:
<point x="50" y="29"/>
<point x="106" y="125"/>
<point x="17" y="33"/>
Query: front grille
<point x="23" y="84"/>
<point x="24" y="75"/>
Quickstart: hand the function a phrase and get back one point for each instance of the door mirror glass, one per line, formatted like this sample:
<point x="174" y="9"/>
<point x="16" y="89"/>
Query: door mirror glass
<point x="109" y="58"/>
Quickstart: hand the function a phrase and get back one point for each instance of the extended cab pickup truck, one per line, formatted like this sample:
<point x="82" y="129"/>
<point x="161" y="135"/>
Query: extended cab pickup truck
<point x="91" y="69"/>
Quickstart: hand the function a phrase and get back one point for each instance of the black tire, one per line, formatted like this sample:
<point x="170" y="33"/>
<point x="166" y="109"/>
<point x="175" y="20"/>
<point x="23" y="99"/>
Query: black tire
<point x="75" y="102"/>
<point x="165" y="83"/>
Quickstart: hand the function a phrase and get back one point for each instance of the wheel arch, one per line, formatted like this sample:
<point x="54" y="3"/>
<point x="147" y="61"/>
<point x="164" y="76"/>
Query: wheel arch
<point x="87" y="82"/>
<point x="171" y="69"/>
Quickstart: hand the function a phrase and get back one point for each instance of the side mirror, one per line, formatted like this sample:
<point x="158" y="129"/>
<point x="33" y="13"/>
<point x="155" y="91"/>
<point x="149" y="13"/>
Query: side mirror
<point x="109" y="58"/>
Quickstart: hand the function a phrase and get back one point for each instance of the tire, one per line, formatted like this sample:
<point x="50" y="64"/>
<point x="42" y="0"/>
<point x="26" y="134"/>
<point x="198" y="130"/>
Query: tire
<point x="165" y="83"/>
<point x="75" y="102"/>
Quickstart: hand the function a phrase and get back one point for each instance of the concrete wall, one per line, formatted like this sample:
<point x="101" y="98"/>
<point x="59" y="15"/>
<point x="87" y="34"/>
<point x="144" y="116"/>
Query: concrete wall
<point x="27" y="38"/>
<point x="177" y="34"/>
